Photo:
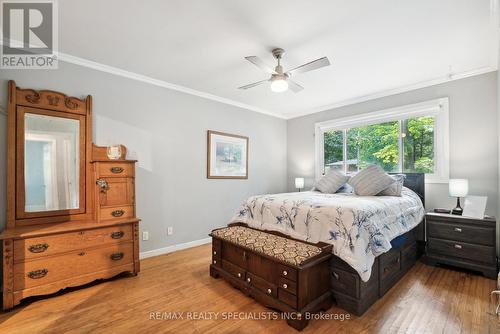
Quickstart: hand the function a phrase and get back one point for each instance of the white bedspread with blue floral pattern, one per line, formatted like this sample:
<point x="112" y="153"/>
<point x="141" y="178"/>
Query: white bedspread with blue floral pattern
<point x="359" y="227"/>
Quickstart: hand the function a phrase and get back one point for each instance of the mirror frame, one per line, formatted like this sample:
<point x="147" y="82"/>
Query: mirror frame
<point x="56" y="104"/>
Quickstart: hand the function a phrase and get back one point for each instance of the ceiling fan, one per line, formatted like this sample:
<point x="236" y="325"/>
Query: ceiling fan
<point x="280" y="81"/>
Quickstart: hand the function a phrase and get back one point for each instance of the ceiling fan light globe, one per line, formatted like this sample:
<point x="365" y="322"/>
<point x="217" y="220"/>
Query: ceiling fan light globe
<point x="279" y="85"/>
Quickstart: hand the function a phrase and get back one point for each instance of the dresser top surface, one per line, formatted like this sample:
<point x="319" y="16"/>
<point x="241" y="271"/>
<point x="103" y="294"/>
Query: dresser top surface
<point x="30" y="231"/>
<point x="451" y="217"/>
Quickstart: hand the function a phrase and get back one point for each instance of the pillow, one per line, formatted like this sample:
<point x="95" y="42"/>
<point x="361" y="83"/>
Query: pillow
<point x="395" y="188"/>
<point x="370" y="181"/>
<point x="345" y="189"/>
<point x="331" y="182"/>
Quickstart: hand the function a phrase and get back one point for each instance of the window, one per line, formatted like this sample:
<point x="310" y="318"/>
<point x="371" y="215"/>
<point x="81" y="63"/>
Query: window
<point x="399" y="140"/>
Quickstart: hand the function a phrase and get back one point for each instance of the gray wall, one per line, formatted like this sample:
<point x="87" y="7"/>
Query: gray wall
<point x="166" y="131"/>
<point x="473" y="136"/>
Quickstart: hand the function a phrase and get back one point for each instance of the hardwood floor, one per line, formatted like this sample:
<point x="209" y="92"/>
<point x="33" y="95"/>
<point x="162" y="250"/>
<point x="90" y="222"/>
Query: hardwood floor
<point x="426" y="300"/>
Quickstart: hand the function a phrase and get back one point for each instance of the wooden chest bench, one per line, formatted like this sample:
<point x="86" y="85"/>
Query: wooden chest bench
<point x="281" y="273"/>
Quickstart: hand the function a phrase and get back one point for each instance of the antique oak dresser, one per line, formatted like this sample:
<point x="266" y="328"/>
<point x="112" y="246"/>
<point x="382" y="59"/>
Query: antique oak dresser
<point x="70" y="209"/>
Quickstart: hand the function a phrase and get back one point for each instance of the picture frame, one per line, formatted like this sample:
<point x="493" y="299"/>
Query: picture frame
<point x="475" y="206"/>
<point x="227" y="156"/>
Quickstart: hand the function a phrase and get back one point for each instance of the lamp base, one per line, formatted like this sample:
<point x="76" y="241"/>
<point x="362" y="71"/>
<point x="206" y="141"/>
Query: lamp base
<point x="458" y="210"/>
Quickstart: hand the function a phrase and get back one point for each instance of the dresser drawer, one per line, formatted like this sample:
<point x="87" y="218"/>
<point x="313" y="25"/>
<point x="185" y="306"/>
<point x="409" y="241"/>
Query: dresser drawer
<point x="287" y="298"/>
<point x="115" y="169"/>
<point x="460" y="232"/>
<point x="262" y="285"/>
<point x="390" y="264"/>
<point x="461" y="250"/>
<point x="120" y="192"/>
<point x="234" y="270"/>
<point x="288" y="285"/>
<point x="34" y="248"/>
<point x="216" y="248"/>
<point x="47" y="270"/>
<point x="408" y="256"/>
<point x="287" y="272"/>
<point x="126" y="211"/>
<point x="345" y="282"/>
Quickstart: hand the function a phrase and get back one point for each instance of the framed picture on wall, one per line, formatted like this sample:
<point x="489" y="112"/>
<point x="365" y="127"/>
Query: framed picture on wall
<point x="227" y="156"/>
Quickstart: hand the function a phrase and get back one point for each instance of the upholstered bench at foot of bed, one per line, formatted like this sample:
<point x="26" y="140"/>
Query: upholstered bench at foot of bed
<point x="284" y="274"/>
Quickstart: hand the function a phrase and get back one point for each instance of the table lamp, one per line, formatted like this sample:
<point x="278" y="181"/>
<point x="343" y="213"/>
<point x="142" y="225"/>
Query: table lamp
<point x="458" y="188"/>
<point x="299" y="183"/>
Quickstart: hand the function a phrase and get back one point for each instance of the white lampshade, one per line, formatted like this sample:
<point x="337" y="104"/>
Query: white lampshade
<point x="459" y="187"/>
<point x="299" y="182"/>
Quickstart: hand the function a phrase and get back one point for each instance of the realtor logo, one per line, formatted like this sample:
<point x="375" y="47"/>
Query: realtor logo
<point x="29" y="34"/>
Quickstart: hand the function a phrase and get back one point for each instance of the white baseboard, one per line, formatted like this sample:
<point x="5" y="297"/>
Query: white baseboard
<point x="173" y="248"/>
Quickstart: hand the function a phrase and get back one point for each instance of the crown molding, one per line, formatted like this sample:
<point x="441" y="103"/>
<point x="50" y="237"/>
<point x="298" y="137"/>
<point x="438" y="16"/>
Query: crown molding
<point x="156" y="82"/>
<point x="394" y="91"/>
<point x="67" y="58"/>
<point x="160" y="83"/>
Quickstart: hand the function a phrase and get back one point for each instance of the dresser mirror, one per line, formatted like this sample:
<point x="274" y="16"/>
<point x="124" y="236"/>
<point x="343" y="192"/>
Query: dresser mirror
<point x="51" y="163"/>
<point x="50" y="148"/>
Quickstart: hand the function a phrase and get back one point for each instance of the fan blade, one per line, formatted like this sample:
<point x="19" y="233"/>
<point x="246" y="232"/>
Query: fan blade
<point x="315" y="64"/>
<point x="253" y="84"/>
<point x="295" y="87"/>
<point x="260" y="64"/>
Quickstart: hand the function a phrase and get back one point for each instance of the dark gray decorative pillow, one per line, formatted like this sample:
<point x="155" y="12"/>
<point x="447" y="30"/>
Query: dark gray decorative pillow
<point x="331" y="182"/>
<point x="395" y="188"/>
<point x="345" y="189"/>
<point x="370" y="181"/>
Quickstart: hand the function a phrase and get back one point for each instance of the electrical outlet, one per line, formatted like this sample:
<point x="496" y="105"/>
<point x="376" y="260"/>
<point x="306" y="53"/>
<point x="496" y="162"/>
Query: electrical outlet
<point x="145" y="235"/>
<point x="170" y="230"/>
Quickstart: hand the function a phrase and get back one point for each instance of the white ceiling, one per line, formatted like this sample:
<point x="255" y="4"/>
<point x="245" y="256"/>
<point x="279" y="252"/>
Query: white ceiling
<point x="373" y="45"/>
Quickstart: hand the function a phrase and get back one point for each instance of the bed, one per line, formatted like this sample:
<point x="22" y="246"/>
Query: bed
<point x="376" y="239"/>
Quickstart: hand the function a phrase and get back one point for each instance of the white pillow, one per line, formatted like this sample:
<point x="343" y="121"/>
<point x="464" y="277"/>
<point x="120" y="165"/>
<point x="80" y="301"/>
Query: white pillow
<point x="331" y="182"/>
<point x="370" y="181"/>
<point x="395" y="188"/>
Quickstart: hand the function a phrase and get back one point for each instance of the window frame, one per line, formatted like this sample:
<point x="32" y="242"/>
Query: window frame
<point x="437" y="108"/>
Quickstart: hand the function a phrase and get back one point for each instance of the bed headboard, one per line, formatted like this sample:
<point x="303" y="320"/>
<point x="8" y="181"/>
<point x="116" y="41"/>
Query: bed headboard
<point x="416" y="182"/>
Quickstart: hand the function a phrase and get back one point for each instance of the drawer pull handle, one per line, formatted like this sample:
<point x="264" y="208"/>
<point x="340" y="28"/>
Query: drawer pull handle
<point x="285" y="286"/>
<point x="336" y="275"/>
<point x="458" y="246"/>
<point x="116" y="256"/>
<point x="457" y="229"/>
<point x="116" y="170"/>
<point x="102" y="184"/>
<point x="285" y="272"/>
<point x="81" y="253"/>
<point x="117" y="235"/>
<point x="269" y="291"/>
<point x="239" y="275"/>
<point x="38" y="248"/>
<point x="249" y="280"/>
<point x="38" y="273"/>
<point x="117" y="213"/>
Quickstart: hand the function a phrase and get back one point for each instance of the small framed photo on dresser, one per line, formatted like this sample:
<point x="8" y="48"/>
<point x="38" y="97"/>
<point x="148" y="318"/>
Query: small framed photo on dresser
<point x="475" y="206"/>
<point x="227" y="156"/>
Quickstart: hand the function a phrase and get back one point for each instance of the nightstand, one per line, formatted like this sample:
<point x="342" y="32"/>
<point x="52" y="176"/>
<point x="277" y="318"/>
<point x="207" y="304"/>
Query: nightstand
<point x="462" y="242"/>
